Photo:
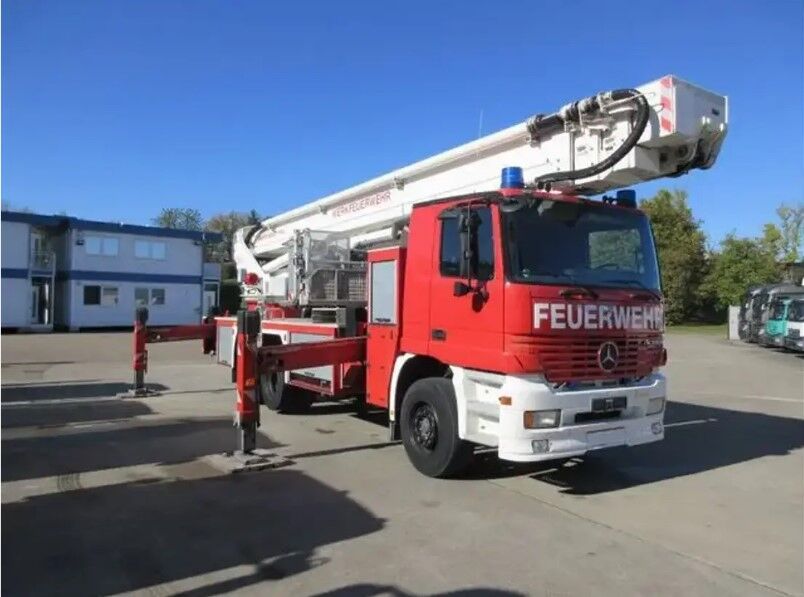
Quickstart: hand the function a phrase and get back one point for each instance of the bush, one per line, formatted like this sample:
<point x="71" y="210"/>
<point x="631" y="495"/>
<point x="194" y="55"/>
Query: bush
<point x="230" y="296"/>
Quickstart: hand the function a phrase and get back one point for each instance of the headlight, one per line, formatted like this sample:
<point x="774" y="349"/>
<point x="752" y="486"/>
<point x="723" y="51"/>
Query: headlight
<point x="542" y="419"/>
<point x="655" y="406"/>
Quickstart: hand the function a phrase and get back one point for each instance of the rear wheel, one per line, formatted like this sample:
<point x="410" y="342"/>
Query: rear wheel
<point x="279" y="396"/>
<point x="429" y="428"/>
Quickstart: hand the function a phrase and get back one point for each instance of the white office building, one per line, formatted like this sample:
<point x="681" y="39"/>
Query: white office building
<point x="68" y="273"/>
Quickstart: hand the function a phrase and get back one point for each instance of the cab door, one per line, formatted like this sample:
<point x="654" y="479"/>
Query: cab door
<point x="383" y="328"/>
<point x="466" y="310"/>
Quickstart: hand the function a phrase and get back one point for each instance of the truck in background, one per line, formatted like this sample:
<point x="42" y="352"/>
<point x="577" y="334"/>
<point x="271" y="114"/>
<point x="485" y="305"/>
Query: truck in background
<point x="776" y="326"/>
<point x="759" y="310"/>
<point x="794" y="335"/>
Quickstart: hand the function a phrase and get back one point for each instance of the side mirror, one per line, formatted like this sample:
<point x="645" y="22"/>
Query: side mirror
<point x="461" y="289"/>
<point x="468" y="222"/>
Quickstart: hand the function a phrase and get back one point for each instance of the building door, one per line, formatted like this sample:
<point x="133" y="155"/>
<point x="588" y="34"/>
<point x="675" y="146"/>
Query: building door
<point x="210" y="298"/>
<point x="37" y="242"/>
<point x="40" y="301"/>
<point x="35" y="303"/>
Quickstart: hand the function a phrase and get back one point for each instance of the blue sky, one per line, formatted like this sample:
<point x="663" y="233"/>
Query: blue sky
<point x="115" y="109"/>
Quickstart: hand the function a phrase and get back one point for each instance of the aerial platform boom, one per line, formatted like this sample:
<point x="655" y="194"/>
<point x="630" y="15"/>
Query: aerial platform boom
<point x="612" y="140"/>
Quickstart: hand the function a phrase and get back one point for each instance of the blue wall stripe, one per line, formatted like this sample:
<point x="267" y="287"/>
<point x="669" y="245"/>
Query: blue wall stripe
<point x="14" y="272"/>
<point x="127" y="277"/>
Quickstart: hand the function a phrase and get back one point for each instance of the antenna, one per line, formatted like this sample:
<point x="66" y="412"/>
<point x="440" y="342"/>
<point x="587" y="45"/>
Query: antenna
<point x="480" y="124"/>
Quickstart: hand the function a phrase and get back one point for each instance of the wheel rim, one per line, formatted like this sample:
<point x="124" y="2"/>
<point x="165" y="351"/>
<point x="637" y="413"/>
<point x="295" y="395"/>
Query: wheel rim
<point x="273" y="381"/>
<point x="424" y="426"/>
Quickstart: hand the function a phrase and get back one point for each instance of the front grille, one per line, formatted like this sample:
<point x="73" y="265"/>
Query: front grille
<point x="604" y="416"/>
<point x="569" y="359"/>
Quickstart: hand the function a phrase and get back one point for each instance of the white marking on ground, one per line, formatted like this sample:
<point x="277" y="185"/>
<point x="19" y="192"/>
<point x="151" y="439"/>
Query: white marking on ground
<point x="685" y="423"/>
<point x="746" y="396"/>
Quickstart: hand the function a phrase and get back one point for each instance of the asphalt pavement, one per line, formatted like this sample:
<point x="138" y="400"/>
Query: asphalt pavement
<point x="103" y="495"/>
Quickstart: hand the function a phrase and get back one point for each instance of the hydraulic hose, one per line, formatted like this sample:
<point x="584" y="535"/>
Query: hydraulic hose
<point x="250" y="234"/>
<point x="590" y="105"/>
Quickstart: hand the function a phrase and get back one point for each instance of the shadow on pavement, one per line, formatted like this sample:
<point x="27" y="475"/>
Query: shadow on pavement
<point x="69" y="453"/>
<point x="58" y="415"/>
<point x="372" y="590"/>
<point x="130" y="537"/>
<point x="704" y="439"/>
<point x="68" y="390"/>
<point x="42" y="363"/>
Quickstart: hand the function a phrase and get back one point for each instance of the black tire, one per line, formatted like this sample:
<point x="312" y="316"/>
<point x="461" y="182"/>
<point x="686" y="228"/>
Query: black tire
<point x="429" y="429"/>
<point x="281" y="397"/>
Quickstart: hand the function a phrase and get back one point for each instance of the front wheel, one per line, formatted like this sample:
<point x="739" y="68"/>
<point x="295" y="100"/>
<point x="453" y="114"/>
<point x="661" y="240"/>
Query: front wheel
<point x="279" y="396"/>
<point x="429" y="429"/>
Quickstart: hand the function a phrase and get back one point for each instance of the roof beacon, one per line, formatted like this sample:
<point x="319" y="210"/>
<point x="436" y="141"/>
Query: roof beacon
<point x="512" y="178"/>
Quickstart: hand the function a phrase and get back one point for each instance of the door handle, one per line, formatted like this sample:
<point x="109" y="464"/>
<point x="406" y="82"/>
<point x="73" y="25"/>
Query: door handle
<point x="438" y="335"/>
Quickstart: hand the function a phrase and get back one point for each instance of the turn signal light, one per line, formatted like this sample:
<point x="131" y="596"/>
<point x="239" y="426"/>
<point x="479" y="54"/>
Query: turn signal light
<point x="505" y="401"/>
<point x="541" y="419"/>
<point x="663" y="358"/>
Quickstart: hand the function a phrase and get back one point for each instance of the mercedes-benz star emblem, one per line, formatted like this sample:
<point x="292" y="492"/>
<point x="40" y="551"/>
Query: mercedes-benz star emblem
<point x="607" y="356"/>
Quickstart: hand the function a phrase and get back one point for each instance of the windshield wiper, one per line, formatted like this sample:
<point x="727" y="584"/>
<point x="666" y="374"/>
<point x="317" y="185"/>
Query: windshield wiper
<point x="639" y="283"/>
<point x="578" y="289"/>
<point x="575" y="286"/>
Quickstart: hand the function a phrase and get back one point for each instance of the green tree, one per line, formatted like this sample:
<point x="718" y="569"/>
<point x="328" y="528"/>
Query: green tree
<point x="741" y="263"/>
<point x="681" y="245"/>
<point x="183" y="218"/>
<point x="785" y="239"/>
<point x="227" y="224"/>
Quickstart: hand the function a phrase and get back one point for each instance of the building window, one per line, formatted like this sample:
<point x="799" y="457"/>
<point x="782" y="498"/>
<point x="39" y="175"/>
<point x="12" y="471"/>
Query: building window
<point x="157" y="250"/>
<point x="106" y="296"/>
<point x="141" y="297"/>
<point x="92" y="295"/>
<point x="101" y="245"/>
<point x="147" y="249"/>
<point x="109" y="296"/>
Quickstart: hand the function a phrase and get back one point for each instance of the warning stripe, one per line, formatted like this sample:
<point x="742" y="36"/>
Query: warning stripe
<point x="667" y="120"/>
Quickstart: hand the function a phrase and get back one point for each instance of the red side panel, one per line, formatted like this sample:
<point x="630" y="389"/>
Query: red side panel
<point x="418" y="273"/>
<point x="384" y="329"/>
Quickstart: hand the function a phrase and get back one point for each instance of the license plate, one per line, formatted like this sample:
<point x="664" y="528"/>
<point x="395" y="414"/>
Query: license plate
<point x="605" y="439"/>
<point x="605" y="405"/>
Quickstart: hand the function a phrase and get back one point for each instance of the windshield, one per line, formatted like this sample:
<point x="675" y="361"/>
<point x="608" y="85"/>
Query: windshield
<point x="555" y="242"/>
<point x="796" y="311"/>
<point x="776" y="310"/>
<point x="758" y="303"/>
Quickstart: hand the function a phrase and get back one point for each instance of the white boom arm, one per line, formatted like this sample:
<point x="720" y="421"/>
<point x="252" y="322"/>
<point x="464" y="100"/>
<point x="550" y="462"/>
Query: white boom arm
<point x="685" y="126"/>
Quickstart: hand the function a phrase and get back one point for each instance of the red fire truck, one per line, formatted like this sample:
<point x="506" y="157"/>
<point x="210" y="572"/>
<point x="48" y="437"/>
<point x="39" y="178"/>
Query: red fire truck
<point x="517" y="314"/>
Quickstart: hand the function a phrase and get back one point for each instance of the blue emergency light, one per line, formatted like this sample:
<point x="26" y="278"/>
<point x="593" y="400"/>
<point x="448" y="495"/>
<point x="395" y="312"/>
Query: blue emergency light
<point x="512" y="178"/>
<point x="626" y="198"/>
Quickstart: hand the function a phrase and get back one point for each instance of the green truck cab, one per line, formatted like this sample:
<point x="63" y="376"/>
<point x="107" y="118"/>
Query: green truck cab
<point x="776" y="325"/>
<point x="794" y="336"/>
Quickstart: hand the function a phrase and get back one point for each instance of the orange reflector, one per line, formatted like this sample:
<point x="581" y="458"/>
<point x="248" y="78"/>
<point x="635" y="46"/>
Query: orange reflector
<point x="505" y="400"/>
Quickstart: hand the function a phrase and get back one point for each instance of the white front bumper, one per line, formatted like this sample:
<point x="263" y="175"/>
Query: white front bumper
<point x="515" y="442"/>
